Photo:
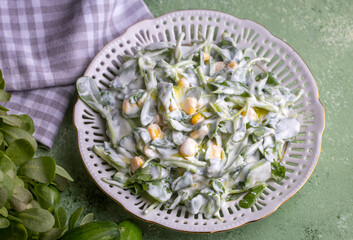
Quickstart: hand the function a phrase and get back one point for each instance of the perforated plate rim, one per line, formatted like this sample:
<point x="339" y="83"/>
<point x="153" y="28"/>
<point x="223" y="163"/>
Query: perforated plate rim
<point x="300" y="157"/>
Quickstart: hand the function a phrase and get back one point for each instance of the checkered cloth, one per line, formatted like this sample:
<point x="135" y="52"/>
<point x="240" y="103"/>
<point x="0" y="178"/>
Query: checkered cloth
<point x="46" y="45"/>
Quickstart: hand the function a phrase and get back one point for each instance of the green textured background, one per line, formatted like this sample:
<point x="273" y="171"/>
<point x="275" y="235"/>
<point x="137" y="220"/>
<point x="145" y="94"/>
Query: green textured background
<point x="322" y="33"/>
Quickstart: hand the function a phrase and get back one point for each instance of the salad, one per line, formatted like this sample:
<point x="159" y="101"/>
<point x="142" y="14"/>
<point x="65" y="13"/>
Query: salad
<point x="194" y="125"/>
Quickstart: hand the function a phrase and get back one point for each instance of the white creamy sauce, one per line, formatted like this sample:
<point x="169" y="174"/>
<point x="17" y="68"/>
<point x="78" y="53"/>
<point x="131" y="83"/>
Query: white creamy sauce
<point x="219" y="125"/>
<point x="287" y="128"/>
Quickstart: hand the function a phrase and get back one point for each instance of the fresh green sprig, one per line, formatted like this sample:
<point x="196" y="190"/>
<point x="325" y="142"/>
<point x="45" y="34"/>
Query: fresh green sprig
<point x="30" y="186"/>
<point x="28" y="191"/>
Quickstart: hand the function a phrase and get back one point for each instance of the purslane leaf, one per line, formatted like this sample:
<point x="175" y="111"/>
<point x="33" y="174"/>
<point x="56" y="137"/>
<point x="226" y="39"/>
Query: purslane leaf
<point x="6" y="165"/>
<point x="45" y="196"/>
<point x="26" y="123"/>
<point x="4" y="223"/>
<point x="52" y="234"/>
<point x="16" y="231"/>
<point x="89" y="93"/>
<point x="3" y="196"/>
<point x="37" y="219"/>
<point x="61" y="182"/>
<point x="87" y="219"/>
<point x="3" y="211"/>
<point x="14" y="219"/>
<point x="21" y="175"/>
<point x="20" y="198"/>
<point x="6" y="187"/>
<point x="2" y="82"/>
<point x="60" y="217"/>
<point x="62" y="172"/>
<point x="1" y="138"/>
<point x="251" y="197"/>
<point x="4" y="109"/>
<point x="278" y="171"/>
<point x="20" y="151"/>
<point x="41" y="169"/>
<point x="12" y="133"/>
<point x="11" y="120"/>
<point x="56" y="194"/>
<point x="19" y="231"/>
<point x="18" y="181"/>
<point x="74" y="218"/>
<point x="4" y="96"/>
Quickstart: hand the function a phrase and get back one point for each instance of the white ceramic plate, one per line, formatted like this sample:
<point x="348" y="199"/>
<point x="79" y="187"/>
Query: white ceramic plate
<point x="300" y="157"/>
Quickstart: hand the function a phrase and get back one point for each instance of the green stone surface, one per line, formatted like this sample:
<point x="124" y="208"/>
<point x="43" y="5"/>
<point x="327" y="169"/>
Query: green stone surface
<point x="322" y="33"/>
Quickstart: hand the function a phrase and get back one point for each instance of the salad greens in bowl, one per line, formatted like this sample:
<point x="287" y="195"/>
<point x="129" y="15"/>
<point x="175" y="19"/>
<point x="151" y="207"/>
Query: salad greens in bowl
<point x="191" y="128"/>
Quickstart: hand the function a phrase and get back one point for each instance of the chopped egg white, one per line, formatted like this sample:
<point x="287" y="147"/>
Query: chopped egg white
<point x="188" y="148"/>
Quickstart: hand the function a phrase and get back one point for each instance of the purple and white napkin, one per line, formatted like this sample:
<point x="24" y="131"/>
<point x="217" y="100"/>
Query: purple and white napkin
<point x="46" y="45"/>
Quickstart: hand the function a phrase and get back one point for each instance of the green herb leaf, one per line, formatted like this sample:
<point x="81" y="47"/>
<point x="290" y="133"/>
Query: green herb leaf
<point x="63" y="173"/>
<point x="74" y="218"/>
<point x="20" y="151"/>
<point x="11" y="120"/>
<point x="4" y="212"/>
<point x="146" y="173"/>
<point x="18" y="181"/>
<point x="37" y="219"/>
<point x="44" y="195"/>
<point x="1" y="138"/>
<point x="89" y="93"/>
<point x="6" y="187"/>
<point x="271" y="80"/>
<point x="19" y="231"/>
<point x="41" y="169"/>
<point x="4" y="96"/>
<point x="129" y="230"/>
<point x="251" y="197"/>
<point x="61" y="182"/>
<point x="56" y="193"/>
<point x="12" y="133"/>
<point x="16" y="231"/>
<point x="6" y="165"/>
<point x="3" y="196"/>
<point x="60" y="217"/>
<point x="158" y="189"/>
<point x="218" y="186"/>
<point x="278" y="171"/>
<point x="52" y="234"/>
<point x="14" y="219"/>
<point x="4" y="109"/>
<point x="2" y="82"/>
<point x="20" y="198"/>
<point x="261" y="76"/>
<point x="136" y="188"/>
<point x="232" y="197"/>
<point x="110" y="155"/>
<point x="4" y="223"/>
<point x="26" y="123"/>
<point x="87" y="219"/>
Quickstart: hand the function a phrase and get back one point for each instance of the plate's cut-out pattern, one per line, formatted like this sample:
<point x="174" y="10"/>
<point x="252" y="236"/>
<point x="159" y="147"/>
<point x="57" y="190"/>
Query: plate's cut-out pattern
<point x="300" y="157"/>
